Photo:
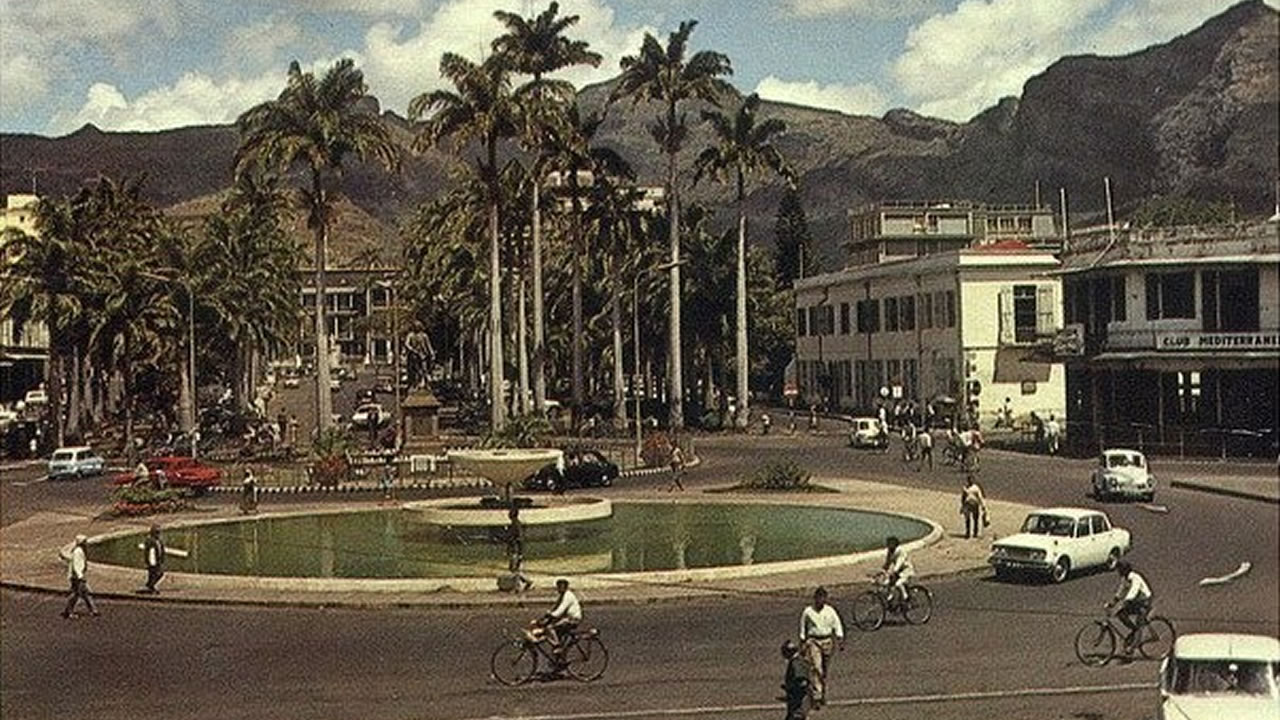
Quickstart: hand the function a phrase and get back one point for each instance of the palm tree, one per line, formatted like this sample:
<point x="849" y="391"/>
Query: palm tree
<point x="481" y="108"/>
<point x="743" y="146"/>
<point x="317" y="123"/>
<point x="537" y="46"/>
<point x="665" y="75"/>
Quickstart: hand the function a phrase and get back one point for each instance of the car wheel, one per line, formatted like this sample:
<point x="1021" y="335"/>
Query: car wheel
<point x="1004" y="574"/>
<point x="605" y="481"/>
<point x="1112" y="558"/>
<point x="1061" y="570"/>
<point x="1149" y="496"/>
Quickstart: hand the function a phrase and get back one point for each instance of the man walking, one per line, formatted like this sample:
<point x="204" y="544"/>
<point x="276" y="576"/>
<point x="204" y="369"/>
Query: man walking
<point x="153" y="555"/>
<point x="924" y="446"/>
<point x="973" y="507"/>
<point x="795" y="682"/>
<point x="820" y="629"/>
<point x="677" y="467"/>
<point x="77" y="565"/>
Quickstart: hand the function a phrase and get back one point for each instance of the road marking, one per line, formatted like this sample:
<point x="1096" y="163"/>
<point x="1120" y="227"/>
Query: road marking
<point x="1154" y="508"/>
<point x="24" y="483"/>
<point x="851" y="702"/>
<point x="1241" y="571"/>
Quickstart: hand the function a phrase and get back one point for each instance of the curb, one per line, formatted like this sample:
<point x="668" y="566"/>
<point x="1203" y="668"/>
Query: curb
<point x="1227" y="492"/>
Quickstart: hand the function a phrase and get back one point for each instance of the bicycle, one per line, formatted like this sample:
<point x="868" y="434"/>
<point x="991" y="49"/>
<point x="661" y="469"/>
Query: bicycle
<point x="519" y="658"/>
<point x="872" y="606"/>
<point x="1096" y="641"/>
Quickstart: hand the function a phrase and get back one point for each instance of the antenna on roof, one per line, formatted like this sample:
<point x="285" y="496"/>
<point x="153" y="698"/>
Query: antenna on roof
<point x="1111" y="218"/>
<point x="1066" y="229"/>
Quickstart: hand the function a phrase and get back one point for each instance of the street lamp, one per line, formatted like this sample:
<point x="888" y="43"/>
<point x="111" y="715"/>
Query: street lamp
<point x="635" y="339"/>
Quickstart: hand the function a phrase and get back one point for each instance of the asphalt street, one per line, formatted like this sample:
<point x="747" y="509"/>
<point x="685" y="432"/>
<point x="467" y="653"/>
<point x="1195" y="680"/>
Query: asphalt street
<point x="992" y="650"/>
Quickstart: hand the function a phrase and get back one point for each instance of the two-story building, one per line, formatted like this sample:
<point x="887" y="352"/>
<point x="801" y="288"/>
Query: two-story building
<point x="1172" y="338"/>
<point x="24" y="347"/>
<point x="931" y="310"/>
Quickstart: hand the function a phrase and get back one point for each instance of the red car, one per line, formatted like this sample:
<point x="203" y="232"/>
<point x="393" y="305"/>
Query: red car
<point x="179" y="471"/>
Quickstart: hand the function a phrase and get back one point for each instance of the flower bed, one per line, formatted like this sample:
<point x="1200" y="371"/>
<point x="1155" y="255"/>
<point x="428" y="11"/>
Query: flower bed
<point x="130" y="501"/>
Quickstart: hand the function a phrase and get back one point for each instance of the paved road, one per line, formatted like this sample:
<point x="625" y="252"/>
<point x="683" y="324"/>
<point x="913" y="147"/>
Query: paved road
<point x="993" y="649"/>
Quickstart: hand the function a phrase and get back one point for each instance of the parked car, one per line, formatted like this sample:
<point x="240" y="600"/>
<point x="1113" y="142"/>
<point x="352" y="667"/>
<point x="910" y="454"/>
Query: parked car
<point x="582" y="468"/>
<point x="179" y="471"/>
<point x="1059" y="541"/>
<point x="36" y="397"/>
<point x="7" y="417"/>
<point x="865" y="432"/>
<point x="1123" y="473"/>
<point x="75" y="461"/>
<point x="370" y="414"/>
<point x="1209" y="676"/>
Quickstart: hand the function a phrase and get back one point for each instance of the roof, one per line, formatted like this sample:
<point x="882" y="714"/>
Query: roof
<point x="1071" y="512"/>
<point x="1227" y="646"/>
<point x="1109" y="451"/>
<point x="420" y="399"/>
<point x="69" y="448"/>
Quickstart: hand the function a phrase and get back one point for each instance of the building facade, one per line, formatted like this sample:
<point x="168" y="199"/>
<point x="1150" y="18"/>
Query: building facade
<point x="899" y="230"/>
<point x="24" y="347"/>
<point x="359" y="316"/>
<point x="1172" y="339"/>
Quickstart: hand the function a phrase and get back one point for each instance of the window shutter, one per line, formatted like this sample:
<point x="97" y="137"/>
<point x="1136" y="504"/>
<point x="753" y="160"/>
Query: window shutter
<point x="1046" y="297"/>
<point x="1006" y="316"/>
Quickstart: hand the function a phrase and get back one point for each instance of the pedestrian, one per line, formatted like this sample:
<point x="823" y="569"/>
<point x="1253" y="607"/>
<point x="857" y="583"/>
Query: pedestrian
<point x="765" y="422"/>
<point x="1052" y="432"/>
<point x="77" y="566"/>
<point x="293" y="430"/>
<point x="677" y="467"/>
<point x="796" y="682"/>
<point x="924" y="446"/>
<point x="820" y="631"/>
<point x="813" y="418"/>
<point x="791" y="422"/>
<point x="973" y="506"/>
<point x="908" y="441"/>
<point x="153" y="557"/>
<point x="515" y="550"/>
<point x="387" y="476"/>
<point x="249" y="493"/>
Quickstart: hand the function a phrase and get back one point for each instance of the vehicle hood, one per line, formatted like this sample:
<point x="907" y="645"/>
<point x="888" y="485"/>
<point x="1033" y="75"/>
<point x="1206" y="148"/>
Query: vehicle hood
<point x="1216" y="707"/>
<point x="1028" y="540"/>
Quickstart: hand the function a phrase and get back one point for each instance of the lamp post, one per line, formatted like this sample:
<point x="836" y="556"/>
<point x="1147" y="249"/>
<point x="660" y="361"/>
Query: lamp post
<point x="635" y="339"/>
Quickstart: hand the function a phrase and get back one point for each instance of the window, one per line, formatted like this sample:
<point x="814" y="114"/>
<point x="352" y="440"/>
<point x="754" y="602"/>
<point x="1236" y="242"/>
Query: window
<point x="868" y="316"/>
<point x="1229" y="299"/>
<point x="910" y="379"/>
<point x="1118" y="311"/>
<point x="891" y="314"/>
<point x="926" y="311"/>
<point x="844" y="318"/>
<point x="379" y="297"/>
<point x="894" y="369"/>
<point x="1082" y="527"/>
<point x="802" y="322"/>
<point x="1024" y="224"/>
<point x="1100" y="524"/>
<point x="1171" y="295"/>
<point x="1189" y="394"/>
<point x="1024" y="313"/>
<point x="951" y="308"/>
<point x="381" y="350"/>
<point x="907" y="309"/>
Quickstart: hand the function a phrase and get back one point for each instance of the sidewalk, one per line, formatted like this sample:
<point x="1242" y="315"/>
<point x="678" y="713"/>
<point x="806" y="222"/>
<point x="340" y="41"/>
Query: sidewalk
<point x="1245" y="487"/>
<point x="31" y="558"/>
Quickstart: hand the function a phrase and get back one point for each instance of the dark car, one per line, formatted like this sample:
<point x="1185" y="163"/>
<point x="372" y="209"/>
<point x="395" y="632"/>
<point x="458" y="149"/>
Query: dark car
<point x="582" y="468"/>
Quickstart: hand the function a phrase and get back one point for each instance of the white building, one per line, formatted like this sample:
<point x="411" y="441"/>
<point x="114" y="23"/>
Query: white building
<point x="24" y="347"/>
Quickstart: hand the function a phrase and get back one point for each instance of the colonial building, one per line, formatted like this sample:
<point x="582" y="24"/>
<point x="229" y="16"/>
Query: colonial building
<point x="1172" y="339"/>
<point x="24" y="347"/>
<point x="905" y="229"/>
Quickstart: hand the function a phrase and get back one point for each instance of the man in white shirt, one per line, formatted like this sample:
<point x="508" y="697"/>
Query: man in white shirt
<point x="1132" y="601"/>
<point x="820" y="628"/>
<point x="77" y="565"/>
<point x="897" y="568"/>
<point x="564" y="617"/>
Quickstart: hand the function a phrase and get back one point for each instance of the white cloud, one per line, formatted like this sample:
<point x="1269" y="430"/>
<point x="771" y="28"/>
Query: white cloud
<point x="260" y="44"/>
<point x="195" y="99"/>
<point x="861" y="99"/>
<point x="23" y="82"/>
<point x="866" y="8"/>
<point x="406" y="8"/>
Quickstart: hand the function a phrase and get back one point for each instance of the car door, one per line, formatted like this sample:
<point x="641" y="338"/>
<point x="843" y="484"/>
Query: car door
<point x="1086" y="551"/>
<point x="1107" y="535"/>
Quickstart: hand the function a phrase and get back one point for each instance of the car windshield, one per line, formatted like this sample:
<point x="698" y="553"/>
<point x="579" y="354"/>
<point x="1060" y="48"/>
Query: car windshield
<point x="1120" y="460"/>
<point x="1049" y="525"/>
<point x="1221" y="677"/>
<point x="63" y="455"/>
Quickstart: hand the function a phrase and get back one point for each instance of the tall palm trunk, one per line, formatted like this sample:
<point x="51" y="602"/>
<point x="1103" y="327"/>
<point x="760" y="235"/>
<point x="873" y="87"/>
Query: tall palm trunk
<point x="619" y="389"/>
<point x="522" y="343"/>
<point x="579" y="398"/>
<point x="674" y="360"/>
<point x="497" y="416"/>
<point x="324" y="397"/>
<point x="55" y="371"/>
<point x="127" y="391"/>
<point x="741" y="311"/>
<point x="539" y="331"/>
<point x="73" y="396"/>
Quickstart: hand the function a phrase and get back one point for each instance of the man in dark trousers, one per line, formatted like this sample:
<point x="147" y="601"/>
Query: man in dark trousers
<point x="77" y="566"/>
<point x="796" y="682"/>
<point x="153" y="555"/>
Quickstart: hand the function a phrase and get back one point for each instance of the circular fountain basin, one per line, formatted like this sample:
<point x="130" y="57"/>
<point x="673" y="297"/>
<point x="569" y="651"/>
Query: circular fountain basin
<point x="451" y="512"/>
<point x="505" y="466"/>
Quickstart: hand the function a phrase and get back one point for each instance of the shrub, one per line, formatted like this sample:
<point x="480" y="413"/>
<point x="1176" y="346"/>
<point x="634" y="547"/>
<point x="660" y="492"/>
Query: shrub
<point x="656" y="450"/>
<point x="784" y="476"/>
<point x="521" y="431"/>
<point x="331" y="465"/>
<point x="142" y="500"/>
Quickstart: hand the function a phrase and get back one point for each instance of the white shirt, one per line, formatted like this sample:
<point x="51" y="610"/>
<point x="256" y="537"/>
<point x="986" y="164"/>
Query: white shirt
<point x="1133" y="587"/>
<point x="77" y="564"/>
<point x="820" y="623"/>
<point x="899" y="564"/>
<point x="569" y="607"/>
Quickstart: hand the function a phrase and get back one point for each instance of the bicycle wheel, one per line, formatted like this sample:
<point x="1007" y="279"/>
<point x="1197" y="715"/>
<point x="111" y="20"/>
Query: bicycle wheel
<point x="1095" y="644"/>
<point x="919" y="607"/>
<point x="868" y="611"/>
<point x="513" y="663"/>
<point x="586" y="658"/>
<point x="1157" y="638"/>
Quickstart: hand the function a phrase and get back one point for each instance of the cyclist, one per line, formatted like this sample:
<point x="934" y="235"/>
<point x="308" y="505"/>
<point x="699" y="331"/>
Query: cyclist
<point x="563" y="619"/>
<point x="897" y="568"/>
<point x="1132" y="601"/>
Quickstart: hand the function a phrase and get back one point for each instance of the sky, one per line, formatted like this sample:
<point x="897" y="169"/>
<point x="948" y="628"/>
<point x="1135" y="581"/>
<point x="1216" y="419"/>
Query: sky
<point x="155" y="64"/>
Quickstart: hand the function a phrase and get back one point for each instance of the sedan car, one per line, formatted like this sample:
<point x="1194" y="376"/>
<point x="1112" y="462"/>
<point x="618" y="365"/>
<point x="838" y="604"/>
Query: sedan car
<point x="76" y="461"/>
<point x="1220" y="675"/>
<point x="865" y="432"/>
<point x="179" y="471"/>
<point x="1123" y="473"/>
<point x="582" y="468"/>
<point x="1058" y="541"/>
<point x="369" y="415"/>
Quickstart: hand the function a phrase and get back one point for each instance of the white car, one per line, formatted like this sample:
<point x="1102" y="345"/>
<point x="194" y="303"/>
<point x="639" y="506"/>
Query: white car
<point x="1210" y="676"/>
<point x="365" y="415"/>
<point x="1058" y="541"/>
<point x="36" y="397"/>
<point x="865" y="432"/>
<point x="1123" y="473"/>
<point x="75" y="461"/>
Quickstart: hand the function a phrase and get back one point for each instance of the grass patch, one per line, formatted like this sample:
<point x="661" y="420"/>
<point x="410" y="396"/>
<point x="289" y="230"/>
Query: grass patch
<point x="782" y="477"/>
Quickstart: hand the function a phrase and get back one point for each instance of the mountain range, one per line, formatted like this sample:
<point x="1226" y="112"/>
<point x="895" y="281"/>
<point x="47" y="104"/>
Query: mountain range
<point x="1198" y="116"/>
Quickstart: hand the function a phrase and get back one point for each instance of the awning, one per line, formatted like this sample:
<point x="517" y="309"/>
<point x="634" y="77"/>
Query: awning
<point x="1012" y="366"/>
<point x="23" y="355"/>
